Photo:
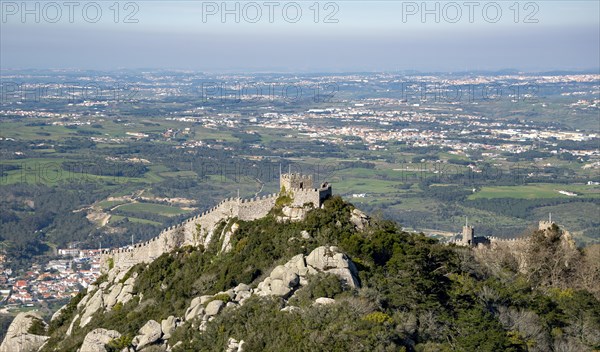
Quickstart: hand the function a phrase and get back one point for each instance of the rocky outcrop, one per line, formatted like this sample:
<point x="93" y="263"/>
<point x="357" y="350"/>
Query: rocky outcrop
<point x="331" y="260"/>
<point x="95" y="340"/>
<point x="284" y="279"/>
<point x="126" y="293"/>
<point x="324" y="301"/>
<point x="195" y="310"/>
<point x="18" y="338"/>
<point x="242" y="293"/>
<point x="214" y="307"/>
<point x="202" y="309"/>
<point x="281" y="282"/>
<point x="58" y="312"/>
<point x="234" y="345"/>
<point x="226" y="246"/>
<point x="70" y="329"/>
<point x="359" y="219"/>
<point x="104" y="297"/>
<point x="111" y="299"/>
<point x="148" y="334"/>
<point x="94" y="304"/>
<point x="293" y="213"/>
<point x="168" y="326"/>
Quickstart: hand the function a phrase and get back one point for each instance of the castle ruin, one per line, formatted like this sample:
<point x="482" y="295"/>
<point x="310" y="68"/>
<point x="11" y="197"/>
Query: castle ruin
<point x="199" y="230"/>
<point x="300" y="188"/>
<point x="546" y="225"/>
<point x="469" y="238"/>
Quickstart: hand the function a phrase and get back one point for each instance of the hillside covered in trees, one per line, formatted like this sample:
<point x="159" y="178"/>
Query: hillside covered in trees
<point x="346" y="287"/>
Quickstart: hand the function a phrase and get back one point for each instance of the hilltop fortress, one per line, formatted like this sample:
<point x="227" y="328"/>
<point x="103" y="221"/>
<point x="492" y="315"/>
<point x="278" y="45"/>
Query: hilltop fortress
<point x="199" y="230"/>
<point x="470" y="239"/>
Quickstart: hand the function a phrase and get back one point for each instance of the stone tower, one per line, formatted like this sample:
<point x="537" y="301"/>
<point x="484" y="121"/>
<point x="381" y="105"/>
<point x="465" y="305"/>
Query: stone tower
<point x="295" y="181"/>
<point x="546" y="225"/>
<point x="303" y="191"/>
<point x="468" y="234"/>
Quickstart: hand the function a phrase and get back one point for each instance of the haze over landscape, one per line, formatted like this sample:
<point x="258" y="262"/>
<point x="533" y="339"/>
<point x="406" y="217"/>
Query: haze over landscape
<point x="299" y="176"/>
<point x="347" y="36"/>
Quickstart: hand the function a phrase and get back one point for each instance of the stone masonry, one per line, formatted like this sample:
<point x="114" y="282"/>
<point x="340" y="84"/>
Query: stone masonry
<point x="186" y="233"/>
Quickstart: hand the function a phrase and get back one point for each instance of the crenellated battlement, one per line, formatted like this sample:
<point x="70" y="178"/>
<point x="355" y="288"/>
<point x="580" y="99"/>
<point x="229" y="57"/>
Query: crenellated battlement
<point x="494" y="239"/>
<point x="295" y="181"/>
<point x="300" y="187"/>
<point x="185" y="233"/>
<point x="545" y="225"/>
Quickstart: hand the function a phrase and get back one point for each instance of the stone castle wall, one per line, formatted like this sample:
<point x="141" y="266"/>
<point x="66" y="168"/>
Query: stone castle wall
<point x="314" y="196"/>
<point x="186" y="233"/>
<point x="198" y="230"/>
<point x="494" y="239"/>
<point x="545" y="225"/>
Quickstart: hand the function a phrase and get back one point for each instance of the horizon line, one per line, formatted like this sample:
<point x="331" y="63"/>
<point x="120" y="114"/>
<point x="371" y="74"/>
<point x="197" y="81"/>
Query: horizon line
<point x="323" y="72"/>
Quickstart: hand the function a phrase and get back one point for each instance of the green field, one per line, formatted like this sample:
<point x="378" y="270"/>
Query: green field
<point x="48" y="171"/>
<point x="109" y="204"/>
<point x="159" y="209"/>
<point x="20" y="131"/>
<point x="116" y="218"/>
<point x="179" y="174"/>
<point x="544" y="190"/>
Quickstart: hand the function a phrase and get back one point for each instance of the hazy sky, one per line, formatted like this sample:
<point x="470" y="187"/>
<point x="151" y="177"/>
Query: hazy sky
<point x="348" y="35"/>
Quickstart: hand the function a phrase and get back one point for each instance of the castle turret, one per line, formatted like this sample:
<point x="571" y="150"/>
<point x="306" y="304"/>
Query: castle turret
<point x="546" y="225"/>
<point x="295" y="181"/>
<point x="468" y="234"/>
<point x="301" y="189"/>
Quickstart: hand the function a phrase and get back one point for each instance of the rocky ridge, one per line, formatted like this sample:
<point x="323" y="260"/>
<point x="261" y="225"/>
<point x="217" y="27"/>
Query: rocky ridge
<point x="118" y="288"/>
<point x="19" y="337"/>
<point x="283" y="281"/>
